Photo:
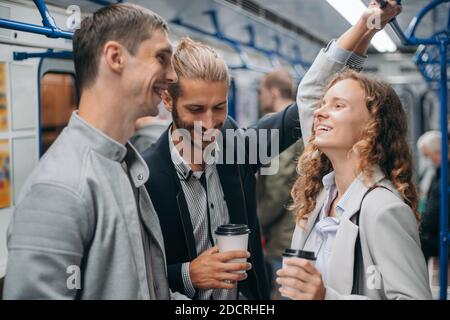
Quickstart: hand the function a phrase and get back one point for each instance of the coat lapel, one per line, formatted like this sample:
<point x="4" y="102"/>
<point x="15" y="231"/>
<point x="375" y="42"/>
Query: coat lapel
<point x="183" y="213"/>
<point x="167" y="196"/>
<point x="340" y="267"/>
<point x="185" y="219"/>
<point x="302" y="232"/>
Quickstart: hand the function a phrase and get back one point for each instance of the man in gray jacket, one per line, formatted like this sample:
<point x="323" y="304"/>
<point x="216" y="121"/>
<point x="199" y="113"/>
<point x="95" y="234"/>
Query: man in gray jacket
<point x="84" y="226"/>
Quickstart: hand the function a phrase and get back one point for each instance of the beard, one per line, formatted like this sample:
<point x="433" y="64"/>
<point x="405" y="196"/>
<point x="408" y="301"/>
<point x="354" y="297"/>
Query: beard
<point x="180" y="124"/>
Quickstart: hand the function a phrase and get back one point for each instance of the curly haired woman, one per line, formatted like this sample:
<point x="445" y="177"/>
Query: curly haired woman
<point x="355" y="203"/>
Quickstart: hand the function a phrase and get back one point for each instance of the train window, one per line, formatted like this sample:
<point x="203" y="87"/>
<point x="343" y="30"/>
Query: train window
<point x="58" y="100"/>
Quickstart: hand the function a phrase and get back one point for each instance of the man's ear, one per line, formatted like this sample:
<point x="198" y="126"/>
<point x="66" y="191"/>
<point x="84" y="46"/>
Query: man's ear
<point x="168" y="101"/>
<point x="113" y="53"/>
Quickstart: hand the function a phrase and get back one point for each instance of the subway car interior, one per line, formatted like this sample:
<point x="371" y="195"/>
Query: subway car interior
<point x="38" y="87"/>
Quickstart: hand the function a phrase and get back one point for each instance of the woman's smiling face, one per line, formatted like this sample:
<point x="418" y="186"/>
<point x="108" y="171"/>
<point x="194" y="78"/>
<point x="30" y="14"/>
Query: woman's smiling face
<point x="341" y="118"/>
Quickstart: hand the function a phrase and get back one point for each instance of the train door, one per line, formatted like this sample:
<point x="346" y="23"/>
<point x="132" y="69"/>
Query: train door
<point x="18" y="132"/>
<point x="58" y="99"/>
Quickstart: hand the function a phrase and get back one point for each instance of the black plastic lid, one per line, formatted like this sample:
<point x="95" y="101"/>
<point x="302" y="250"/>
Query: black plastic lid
<point x="309" y="255"/>
<point x="232" y="229"/>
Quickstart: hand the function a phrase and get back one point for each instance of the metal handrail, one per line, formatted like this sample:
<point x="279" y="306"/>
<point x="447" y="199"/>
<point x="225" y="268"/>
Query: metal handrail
<point x="238" y="45"/>
<point x="19" y="56"/>
<point x="428" y="61"/>
<point x="408" y="37"/>
<point x="48" y="28"/>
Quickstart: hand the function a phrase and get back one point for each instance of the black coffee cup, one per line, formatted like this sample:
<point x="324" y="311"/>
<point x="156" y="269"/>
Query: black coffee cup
<point x="292" y="253"/>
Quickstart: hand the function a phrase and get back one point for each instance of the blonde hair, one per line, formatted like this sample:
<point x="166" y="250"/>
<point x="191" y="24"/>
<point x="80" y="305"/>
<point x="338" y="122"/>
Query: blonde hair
<point x="197" y="61"/>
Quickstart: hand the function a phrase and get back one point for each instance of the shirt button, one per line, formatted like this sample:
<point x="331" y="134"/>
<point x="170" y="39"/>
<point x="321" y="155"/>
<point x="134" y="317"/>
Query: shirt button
<point x="140" y="176"/>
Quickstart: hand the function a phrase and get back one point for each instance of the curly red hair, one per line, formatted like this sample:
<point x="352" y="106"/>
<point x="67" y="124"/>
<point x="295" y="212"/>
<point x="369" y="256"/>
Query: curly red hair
<point x="383" y="143"/>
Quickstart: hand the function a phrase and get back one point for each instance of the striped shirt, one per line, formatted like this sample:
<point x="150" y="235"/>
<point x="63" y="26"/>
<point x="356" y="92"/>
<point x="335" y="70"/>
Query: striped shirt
<point x="198" y="201"/>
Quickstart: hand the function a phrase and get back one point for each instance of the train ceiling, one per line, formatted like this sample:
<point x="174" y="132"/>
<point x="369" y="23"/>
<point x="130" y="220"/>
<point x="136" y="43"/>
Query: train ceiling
<point x="309" y="23"/>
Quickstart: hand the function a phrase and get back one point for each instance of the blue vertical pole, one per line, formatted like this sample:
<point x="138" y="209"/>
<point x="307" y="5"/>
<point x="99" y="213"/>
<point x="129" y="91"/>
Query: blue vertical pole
<point x="443" y="236"/>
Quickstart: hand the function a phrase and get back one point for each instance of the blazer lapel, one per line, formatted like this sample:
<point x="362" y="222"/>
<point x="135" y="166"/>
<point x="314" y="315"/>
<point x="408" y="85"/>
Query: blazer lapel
<point x="171" y="205"/>
<point x="181" y="204"/>
<point x="185" y="218"/>
<point x="302" y="232"/>
<point x="340" y="267"/>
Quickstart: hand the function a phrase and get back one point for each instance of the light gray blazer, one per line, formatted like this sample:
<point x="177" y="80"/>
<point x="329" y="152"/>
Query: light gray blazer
<point x="393" y="262"/>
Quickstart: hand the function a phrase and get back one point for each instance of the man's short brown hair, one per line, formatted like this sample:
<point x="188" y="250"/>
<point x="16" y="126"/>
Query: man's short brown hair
<point x="281" y="80"/>
<point x="125" y="23"/>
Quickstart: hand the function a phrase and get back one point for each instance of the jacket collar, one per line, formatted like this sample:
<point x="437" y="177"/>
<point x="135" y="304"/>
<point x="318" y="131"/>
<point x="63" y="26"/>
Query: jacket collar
<point x="359" y="188"/>
<point x="351" y="205"/>
<point x="110" y="148"/>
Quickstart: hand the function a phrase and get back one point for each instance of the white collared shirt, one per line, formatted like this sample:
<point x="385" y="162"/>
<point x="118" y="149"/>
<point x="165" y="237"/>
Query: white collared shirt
<point x="322" y="236"/>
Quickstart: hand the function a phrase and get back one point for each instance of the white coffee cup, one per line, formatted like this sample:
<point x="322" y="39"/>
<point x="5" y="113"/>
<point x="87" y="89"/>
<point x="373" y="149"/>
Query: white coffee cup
<point x="292" y="253"/>
<point x="233" y="237"/>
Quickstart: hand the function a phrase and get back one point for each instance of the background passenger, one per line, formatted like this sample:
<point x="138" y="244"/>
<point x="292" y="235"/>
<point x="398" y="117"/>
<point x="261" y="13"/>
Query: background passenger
<point x="430" y="145"/>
